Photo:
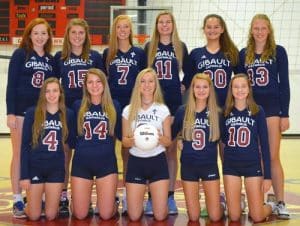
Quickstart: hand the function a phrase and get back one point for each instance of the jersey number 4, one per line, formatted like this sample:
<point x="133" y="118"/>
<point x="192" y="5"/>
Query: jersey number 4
<point x="51" y="140"/>
<point x="100" y="130"/>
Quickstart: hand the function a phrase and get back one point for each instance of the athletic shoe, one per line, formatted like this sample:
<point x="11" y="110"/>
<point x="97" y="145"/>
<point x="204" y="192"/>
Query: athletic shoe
<point x="282" y="211"/>
<point x="203" y="212"/>
<point x="243" y="202"/>
<point x="223" y="201"/>
<point x="43" y="209"/>
<point x="91" y="210"/>
<point x="148" y="208"/>
<point x="96" y="210"/>
<point x="172" y="205"/>
<point x="273" y="206"/>
<point x="64" y="208"/>
<point x="18" y="210"/>
<point x="124" y="207"/>
<point x="272" y="199"/>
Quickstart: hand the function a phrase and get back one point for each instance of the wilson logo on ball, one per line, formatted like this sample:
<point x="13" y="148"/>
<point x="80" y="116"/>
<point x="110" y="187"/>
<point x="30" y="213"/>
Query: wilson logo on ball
<point x="146" y="137"/>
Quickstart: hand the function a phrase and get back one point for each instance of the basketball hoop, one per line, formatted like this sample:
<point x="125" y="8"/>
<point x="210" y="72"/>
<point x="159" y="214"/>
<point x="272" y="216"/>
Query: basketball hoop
<point x="141" y="38"/>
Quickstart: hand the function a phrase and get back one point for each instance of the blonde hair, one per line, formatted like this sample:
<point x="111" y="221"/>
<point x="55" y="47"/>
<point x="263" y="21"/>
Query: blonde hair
<point x="67" y="47"/>
<point x="270" y="46"/>
<point x="190" y="111"/>
<point x="26" y="41"/>
<point x="41" y="110"/>
<point x="229" y="104"/>
<point x="106" y="102"/>
<point x="227" y="46"/>
<point x="113" y="44"/>
<point x="136" y="97"/>
<point x="177" y="44"/>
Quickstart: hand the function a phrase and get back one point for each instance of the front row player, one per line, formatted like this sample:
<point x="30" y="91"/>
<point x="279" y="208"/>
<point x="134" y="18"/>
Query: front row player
<point x="98" y="120"/>
<point x="147" y="107"/>
<point x="245" y="129"/>
<point x="48" y="127"/>
<point x="198" y="125"/>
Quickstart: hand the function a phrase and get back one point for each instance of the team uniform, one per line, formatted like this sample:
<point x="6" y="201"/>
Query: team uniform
<point x="198" y="156"/>
<point x="246" y="144"/>
<point x="122" y="73"/>
<point x="26" y="75"/>
<point x="94" y="154"/>
<point x="72" y="72"/>
<point x="46" y="162"/>
<point x="217" y="66"/>
<point x="152" y="164"/>
<point x="167" y="68"/>
<point x="270" y="82"/>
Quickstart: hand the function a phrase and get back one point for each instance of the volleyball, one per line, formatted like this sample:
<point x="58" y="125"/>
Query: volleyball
<point x="146" y="137"/>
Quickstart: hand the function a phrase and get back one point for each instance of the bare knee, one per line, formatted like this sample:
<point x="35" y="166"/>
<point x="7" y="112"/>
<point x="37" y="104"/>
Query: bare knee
<point x="160" y="216"/>
<point x="257" y="217"/>
<point x="215" y="216"/>
<point x="193" y="216"/>
<point x="33" y="217"/>
<point x="106" y="215"/>
<point x="80" y="215"/>
<point x="234" y="216"/>
<point x="134" y="216"/>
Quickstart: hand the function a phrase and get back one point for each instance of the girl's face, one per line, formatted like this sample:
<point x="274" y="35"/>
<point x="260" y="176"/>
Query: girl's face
<point x="165" y="25"/>
<point x="147" y="84"/>
<point x="213" y="29"/>
<point x="240" y="89"/>
<point x="260" y="30"/>
<point x="52" y="93"/>
<point x="201" y="89"/>
<point x="94" y="85"/>
<point x="77" y="36"/>
<point x="39" y="36"/>
<point x="123" y="29"/>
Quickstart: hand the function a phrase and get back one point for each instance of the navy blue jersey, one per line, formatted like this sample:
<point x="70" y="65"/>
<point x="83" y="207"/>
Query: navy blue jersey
<point x="26" y="74"/>
<point x="243" y="133"/>
<point x="96" y="139"/>
<point x="217" y="66"/>
<point x="198" y="151"/>
<point x="122" y="73"/>
<point x="167" y="68"/>
<point x="49" y="152"/>
<point x="269" y="80"/>
<point x="72" y="72"/>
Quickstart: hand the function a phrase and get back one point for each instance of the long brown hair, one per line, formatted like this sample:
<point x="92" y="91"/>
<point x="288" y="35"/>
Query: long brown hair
<point x="212" y="106"/>
<point x="155" y="38"/>
<point x="26" y="42"/>
<point x="270" y="46"/>
<point x="106" y="102"/>
<point x="113" y="44"/>
<point x="67" y="47"/>
<point x="251" y="105"/>
<point x="136" y="97"/>
<point x="41" y="110"/>
<point x="227" y="46"/>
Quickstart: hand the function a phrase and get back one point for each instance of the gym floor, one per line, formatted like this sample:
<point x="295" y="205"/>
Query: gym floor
<point x="290" y="158"/>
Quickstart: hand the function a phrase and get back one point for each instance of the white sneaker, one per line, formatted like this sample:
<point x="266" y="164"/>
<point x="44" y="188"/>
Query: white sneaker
<point x="282" y="211"/>
<point x="124" y="207"/>
<point x="243" y="202"/>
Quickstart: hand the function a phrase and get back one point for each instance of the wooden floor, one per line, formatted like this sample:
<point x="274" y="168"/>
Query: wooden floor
<point x="290" y="154"/>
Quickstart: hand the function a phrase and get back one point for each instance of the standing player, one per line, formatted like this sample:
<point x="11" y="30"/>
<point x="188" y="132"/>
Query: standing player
<point x="168" y="56"/>
<point x="73" y="62"/>
<point x="147" y="107"/>
<point x="267" y="67"/>
<point x="246" y="151"/>
<point x="123" y="62"/>
<point x="29" y="66"/>
<point x="47" y="127"/>
<point x="198" y="125"/>
<point x="94" y="161"/>
<point x="218" y="57"/>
